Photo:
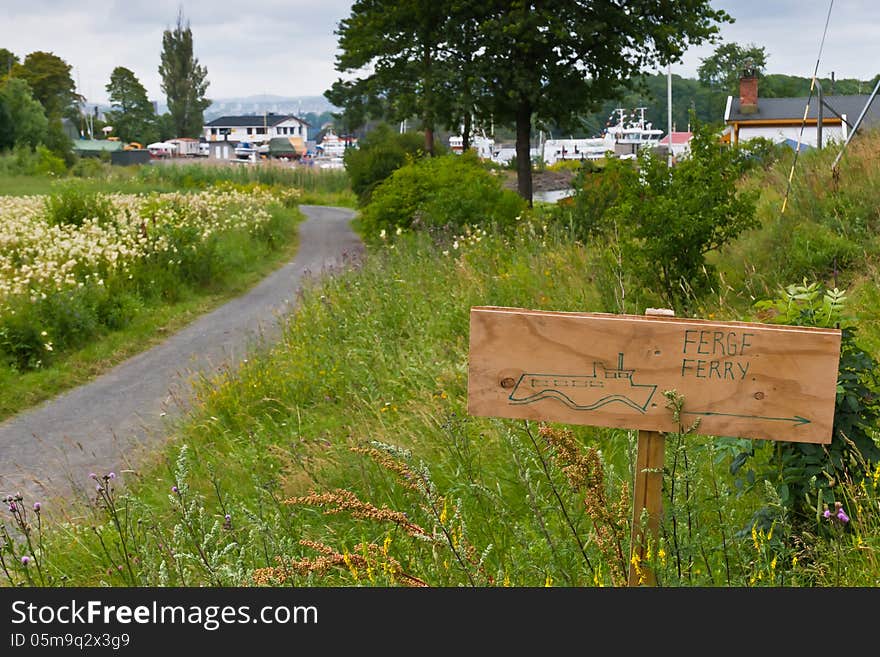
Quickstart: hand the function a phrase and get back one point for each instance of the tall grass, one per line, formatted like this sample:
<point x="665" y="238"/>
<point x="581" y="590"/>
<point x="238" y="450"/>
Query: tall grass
<point x="345" y="455"/>
<point x="23" y="173"/>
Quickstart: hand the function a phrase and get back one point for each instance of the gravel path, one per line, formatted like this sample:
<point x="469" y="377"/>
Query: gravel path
<point x="100" y="427"/>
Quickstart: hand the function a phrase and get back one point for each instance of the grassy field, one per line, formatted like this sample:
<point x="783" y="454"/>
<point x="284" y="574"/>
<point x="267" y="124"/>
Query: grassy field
<point x="345" y="455"/>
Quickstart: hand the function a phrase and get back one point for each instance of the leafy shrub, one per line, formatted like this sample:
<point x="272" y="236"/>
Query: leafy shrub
<point x="72" y="205"/>
<point x="48" y="163"/>
<point x="595" y="193"/>
<point x="666" y="220"/>
<point x="805" y="474"/>
<point x="89" y="167"/>
<point x="378" y="155"/>
<point x="449" y="191"/>
<point x="117" y="310"/>
<point x="22" y="343"/>
<point x="71" y="316"/>
<point x="571" y="165"/>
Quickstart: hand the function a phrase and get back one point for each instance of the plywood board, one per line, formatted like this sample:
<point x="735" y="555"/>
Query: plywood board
<point x="741" y="379"/>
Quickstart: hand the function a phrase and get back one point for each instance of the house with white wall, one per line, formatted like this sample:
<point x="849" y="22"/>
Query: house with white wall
<point x="789" y="119"/>
<point x="256" y="128"/>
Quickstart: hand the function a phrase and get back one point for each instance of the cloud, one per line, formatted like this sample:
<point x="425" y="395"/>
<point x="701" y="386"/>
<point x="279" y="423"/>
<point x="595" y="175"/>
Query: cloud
<point x="288" y="47"/>
<point x="284" y="47"/>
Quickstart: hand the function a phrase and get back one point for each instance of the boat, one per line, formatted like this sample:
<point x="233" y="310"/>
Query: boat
<point x="627" y="134"/>
<point x="246" y="150"/>
<point x="586" y="392"/>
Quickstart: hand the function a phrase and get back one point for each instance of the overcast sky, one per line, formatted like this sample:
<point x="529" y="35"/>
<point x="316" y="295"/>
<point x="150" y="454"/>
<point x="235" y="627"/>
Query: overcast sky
<point x="288" y="47"/>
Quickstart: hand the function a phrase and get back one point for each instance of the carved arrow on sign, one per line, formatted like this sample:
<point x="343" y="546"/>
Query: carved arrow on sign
<point x="797" y="420"/>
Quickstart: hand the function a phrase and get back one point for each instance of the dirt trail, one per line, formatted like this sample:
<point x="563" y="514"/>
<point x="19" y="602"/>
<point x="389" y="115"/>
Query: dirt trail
<point x="100" y="427"/>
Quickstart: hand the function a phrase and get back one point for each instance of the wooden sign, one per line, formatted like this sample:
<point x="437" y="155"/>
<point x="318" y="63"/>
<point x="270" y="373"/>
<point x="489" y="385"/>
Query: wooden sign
<point x="740" y="379"/>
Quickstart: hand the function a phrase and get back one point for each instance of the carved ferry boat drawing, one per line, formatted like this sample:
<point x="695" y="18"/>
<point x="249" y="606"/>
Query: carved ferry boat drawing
<point x="586" y="392"/>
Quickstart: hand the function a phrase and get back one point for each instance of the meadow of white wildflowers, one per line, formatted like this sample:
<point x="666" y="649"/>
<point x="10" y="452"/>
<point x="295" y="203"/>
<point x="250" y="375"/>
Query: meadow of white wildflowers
<point x="37" y="258"/>
<point x="62" y="281"/>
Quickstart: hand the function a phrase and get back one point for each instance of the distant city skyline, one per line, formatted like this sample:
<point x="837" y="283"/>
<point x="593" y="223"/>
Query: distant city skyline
<point x="288" y="47"/>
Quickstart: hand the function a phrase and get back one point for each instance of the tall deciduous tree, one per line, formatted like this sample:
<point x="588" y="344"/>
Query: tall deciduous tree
<point x="724" y="67"/>
<point x="7" y="127"/>
<point x="513" y="60"/>
<point x="49" y="78"/>
<point x="554" y="61"/>
<point x="27" y="117"/>
<point x="184" y="80"/>
<point x="396" y="47"/>
<point x="133" y="118"/>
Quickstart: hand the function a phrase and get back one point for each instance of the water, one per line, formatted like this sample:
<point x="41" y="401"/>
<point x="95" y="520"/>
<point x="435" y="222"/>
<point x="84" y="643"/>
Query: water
<point x="551" y="196"/>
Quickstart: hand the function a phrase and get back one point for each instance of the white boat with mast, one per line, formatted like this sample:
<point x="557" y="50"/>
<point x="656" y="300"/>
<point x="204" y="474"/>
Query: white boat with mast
<point x="629" y="133"/>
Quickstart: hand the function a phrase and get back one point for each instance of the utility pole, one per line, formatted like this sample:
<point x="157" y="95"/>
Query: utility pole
<point x="669" y="113"/>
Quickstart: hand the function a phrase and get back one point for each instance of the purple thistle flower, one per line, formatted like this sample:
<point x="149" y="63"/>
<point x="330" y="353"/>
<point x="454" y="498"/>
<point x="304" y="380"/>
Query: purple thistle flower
<point x="99" y="488"/>
<point x="12" y="507"/>
<point x="25" y="560"/>
<point x="112" y="475"/>
<point x="37" y="507"/>
<point x="92" y="475"/>
<point x="228" y="517"/>
<point x="841" y="515"/>
<point x="826" y="513"/>
<point x="175" y="490"/>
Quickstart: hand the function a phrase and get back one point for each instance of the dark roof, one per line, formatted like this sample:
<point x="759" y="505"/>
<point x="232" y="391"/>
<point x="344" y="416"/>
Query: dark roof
<point x="249" y="120"/>
<point x="281" y="146"/>
<point x="773" y="109"/>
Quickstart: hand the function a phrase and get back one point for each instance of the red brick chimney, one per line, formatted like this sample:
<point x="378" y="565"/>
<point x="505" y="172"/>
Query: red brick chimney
<point x="748" y="91"/>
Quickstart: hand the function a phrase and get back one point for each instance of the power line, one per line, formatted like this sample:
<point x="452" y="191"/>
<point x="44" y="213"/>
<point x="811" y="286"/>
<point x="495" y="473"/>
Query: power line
<point x="806" y="109"/>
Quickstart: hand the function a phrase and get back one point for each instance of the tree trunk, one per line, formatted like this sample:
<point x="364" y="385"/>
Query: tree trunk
<point x="523" y="155"/>
<point x="429" y="140"/>
<point x="466" y="133"/>
<point x="428" y="111"/>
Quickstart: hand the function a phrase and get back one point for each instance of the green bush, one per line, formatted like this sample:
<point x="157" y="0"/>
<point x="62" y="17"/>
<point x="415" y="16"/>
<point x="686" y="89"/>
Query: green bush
<point x="665" y="221"/>
<point x="48" y="163"/>
<point x="89" y="167"/>
<point x="451" y="191"/>
<point x="595" y="193"/>
<point x="23" y="344"/>
<point x="806" y="475"/>
<point x="72" y="205"/>
<point x="378" y="155"/>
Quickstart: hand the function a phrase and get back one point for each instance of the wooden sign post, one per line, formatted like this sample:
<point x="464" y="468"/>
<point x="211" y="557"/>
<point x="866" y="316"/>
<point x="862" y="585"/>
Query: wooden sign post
<point x="647" y="495"/>
<point x="741" y="379"/>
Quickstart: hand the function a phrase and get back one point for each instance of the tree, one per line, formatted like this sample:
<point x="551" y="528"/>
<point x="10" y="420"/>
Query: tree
<point x="26" y="114"/>
<point x="672" y="218"/>
<point x="551" y="62"/>
<point x="399" y="43"/>
<point x="132" y="118"/>
<point x="721" y="72"/>
<point x="8" y="59"/>
<point x="49" y="78"/>
<point x="723" y="69"/>
<point x="377" y="156"/>
<point x="184" y="80"/>
<point x="7" y="127"/>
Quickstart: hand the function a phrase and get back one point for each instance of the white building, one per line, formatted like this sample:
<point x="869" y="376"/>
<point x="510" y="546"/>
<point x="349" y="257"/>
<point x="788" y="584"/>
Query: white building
<point x="792" y="120"/>
<point x="681" y="143"/>
<point x="257" y="128"/>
